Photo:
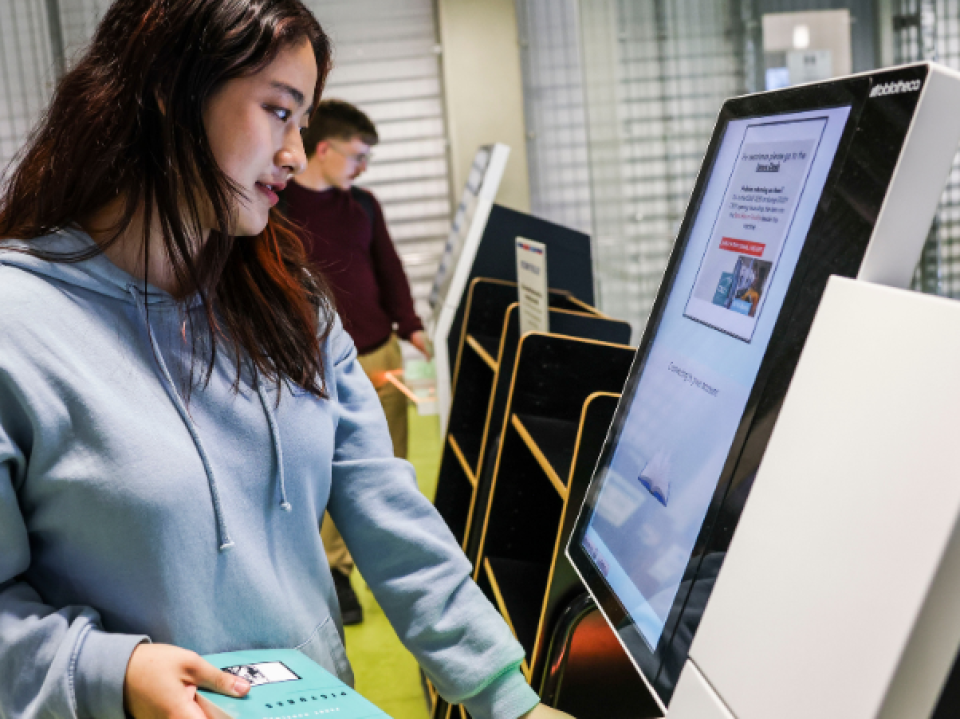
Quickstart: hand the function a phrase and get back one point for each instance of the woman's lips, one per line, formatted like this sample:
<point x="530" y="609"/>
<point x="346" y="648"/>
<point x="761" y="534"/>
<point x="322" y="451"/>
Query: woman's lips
<point x="268" y="190"/>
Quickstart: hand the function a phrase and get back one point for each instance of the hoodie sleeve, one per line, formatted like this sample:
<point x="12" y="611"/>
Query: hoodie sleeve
<point x="410" y="559"/>
<point x="55" y="662"/>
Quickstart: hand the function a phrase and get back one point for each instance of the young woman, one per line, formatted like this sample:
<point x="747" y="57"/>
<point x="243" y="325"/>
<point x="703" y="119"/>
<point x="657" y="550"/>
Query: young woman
<point x="178" y="401"/>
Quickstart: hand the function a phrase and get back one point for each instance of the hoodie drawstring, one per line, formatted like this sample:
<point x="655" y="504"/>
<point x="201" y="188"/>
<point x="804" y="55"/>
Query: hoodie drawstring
<point x="277" y="447"/>
<point x="223" y="535"/>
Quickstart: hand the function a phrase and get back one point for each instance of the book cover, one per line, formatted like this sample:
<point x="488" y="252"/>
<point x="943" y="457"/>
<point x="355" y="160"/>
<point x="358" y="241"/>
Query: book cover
<point x="284" y="684"/>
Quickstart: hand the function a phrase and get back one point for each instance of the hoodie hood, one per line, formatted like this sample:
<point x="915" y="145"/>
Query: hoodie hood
<point x="97" y="274"/>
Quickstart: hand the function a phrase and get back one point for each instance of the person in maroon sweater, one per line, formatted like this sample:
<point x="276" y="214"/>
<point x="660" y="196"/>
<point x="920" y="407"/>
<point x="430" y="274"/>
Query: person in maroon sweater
<point x="346" y="237"/>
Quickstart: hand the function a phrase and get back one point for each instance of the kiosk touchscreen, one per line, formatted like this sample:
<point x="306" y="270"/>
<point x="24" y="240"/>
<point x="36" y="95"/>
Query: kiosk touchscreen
<point x="794" y="185"/>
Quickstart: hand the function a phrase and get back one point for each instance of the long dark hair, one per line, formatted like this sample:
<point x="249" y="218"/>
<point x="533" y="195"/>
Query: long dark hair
<point x="127" y="121"/>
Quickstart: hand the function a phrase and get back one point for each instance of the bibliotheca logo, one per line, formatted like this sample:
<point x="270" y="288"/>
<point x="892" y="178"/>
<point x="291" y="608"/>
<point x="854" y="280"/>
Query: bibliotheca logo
<point x="896" y="88"/>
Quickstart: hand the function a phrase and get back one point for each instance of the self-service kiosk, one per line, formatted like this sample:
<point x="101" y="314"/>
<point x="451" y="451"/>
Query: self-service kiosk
<point x="795" y="617"/>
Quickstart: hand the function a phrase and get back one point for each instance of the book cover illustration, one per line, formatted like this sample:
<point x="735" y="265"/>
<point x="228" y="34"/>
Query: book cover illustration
<point x="741" y="289"/>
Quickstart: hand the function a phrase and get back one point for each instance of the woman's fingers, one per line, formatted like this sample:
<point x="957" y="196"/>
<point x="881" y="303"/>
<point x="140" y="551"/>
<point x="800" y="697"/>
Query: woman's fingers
<point x="209" y="710"/>
<point x="162" y="681"/>
<point x="194" y="710"/>
<point x="203" y="674"/>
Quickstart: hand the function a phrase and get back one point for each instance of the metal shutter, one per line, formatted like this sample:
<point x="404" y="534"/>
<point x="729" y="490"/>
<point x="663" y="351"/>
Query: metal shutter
<point x="387" y="62"/>
<point x="78" y="20"/>
<point x="555" y="113"/>
<point x="26" y="71"/>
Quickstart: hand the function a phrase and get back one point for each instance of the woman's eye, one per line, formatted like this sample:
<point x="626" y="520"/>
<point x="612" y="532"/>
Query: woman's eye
<point x="282" y="113"/>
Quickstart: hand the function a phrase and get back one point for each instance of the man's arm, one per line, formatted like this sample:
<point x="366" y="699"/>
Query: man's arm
<point x="395" y="296"/>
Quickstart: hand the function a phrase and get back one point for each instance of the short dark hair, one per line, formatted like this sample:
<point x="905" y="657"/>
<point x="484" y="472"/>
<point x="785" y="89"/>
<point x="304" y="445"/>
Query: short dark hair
<point x="341" y="121"/>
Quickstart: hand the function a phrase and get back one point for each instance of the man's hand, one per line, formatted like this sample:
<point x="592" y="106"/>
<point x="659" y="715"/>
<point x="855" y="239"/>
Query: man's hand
<point x="544" y="712"/>
<point x="162" y="682"/>
<point x="420" y="340"/>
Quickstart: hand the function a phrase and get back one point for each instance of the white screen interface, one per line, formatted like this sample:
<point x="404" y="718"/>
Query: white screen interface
<point x="743" y="248"/>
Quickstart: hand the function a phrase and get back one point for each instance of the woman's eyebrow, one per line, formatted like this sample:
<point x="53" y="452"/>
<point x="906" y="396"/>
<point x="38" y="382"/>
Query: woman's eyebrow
<point x="289" y="90"/>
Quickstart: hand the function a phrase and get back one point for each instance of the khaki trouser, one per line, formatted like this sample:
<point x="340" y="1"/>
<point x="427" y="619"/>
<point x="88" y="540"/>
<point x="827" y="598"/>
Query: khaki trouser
<point x="375" y="364"/>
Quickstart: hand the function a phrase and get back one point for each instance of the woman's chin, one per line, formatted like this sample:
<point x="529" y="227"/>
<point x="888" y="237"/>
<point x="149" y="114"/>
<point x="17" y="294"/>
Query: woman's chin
<point x="250" y="226"/>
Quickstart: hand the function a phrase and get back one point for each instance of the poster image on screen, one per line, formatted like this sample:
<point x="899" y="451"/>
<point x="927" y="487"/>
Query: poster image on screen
<point x="752" y="225"/>
<point x="700" y="368"/>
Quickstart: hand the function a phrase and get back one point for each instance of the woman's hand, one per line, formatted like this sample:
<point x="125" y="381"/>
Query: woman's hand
<point x="162" y="682"/>
<point x="540" y="711"/>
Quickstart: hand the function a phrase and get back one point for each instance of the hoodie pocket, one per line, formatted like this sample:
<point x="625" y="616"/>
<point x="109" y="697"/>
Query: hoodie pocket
<point x="326" y="648"/>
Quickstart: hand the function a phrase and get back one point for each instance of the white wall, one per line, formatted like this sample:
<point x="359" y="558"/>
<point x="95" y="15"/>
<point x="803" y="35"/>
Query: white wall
<point x="555" y="110"/>
<point x="483" y="90"/>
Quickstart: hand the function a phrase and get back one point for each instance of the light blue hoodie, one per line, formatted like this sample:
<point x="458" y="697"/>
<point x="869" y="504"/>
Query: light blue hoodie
<point x="128" y="513"/>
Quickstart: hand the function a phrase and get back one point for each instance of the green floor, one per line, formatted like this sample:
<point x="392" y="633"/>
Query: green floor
<point x="386" y="673"/>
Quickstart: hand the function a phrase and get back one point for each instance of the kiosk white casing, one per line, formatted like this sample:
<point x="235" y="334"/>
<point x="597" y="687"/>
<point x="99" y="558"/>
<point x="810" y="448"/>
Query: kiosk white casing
<point x="915" y="188"/>
<point x="840" y="594"/>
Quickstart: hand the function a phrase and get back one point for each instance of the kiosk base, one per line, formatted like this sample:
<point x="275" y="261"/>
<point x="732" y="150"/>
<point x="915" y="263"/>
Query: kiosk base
<point x="695" y="697"/>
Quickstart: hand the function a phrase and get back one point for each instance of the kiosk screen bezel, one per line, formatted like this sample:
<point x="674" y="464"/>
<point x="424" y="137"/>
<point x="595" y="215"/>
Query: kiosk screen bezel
<point x="845" y="213"/>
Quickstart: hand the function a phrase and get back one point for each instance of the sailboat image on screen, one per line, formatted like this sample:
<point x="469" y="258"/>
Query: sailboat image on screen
<point x="655" y="477"/>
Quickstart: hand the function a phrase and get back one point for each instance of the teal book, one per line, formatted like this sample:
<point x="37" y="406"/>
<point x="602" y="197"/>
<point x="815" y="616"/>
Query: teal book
<point x="285" y="684"/>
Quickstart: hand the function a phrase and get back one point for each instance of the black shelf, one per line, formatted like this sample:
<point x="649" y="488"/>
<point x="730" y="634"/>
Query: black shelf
<point x="565" y="302"/>
<point x="490" y="345"/>
<point x="562" y="396"/>
<point x="556" y="440"/>
<point x="516" y="408"/>
<point x="479" y="352"/>
<point x="521" y="586"/>
<point x="469" y="445"/>
<point x="453" y="497"/>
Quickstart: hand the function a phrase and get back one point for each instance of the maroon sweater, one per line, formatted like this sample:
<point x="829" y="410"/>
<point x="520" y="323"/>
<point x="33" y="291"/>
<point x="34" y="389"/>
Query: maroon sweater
<point x="359" y="261"/>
